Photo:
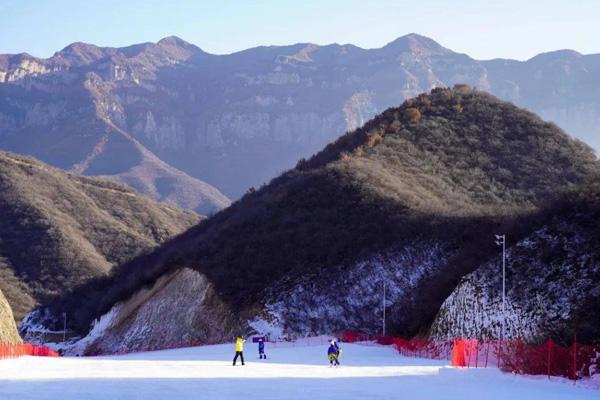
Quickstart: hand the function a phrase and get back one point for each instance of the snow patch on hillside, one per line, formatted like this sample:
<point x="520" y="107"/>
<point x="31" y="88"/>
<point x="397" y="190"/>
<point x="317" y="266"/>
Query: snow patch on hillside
<point x="179" y="309"/>
<point x="99" y="328"/>
<point x="548" y="275"/>
<point x="351" y="297"/>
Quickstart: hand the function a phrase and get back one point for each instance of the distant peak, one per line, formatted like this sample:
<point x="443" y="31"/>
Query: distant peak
<point x="414" y="42"/>
<point x="565" y="54"/>
<point x="82" y="52"/>
<point x="79" y="47"/>
<point x="178" y="48"/>
<point x="174" y="41"/>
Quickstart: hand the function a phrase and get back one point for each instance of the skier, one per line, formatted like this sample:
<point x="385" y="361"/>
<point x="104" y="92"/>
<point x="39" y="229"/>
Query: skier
<point x="261" y="349"/>
<point x="333" y="352"/>
<point x="239" y="349"/>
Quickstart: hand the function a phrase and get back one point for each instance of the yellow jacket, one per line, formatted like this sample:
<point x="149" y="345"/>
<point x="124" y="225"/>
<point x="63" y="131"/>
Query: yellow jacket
<point x="239" y="344"/>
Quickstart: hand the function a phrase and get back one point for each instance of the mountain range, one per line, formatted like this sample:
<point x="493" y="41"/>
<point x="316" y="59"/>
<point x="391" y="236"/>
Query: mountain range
<point x="413" y="198"/>
<point x="58" y="229"/>
<point x="195" y="129"/>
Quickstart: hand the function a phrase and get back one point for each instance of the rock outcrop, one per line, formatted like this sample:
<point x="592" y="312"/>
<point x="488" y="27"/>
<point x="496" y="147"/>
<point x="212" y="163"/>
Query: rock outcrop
<point x="8" y="328"/>
<point x="180" y="309"/>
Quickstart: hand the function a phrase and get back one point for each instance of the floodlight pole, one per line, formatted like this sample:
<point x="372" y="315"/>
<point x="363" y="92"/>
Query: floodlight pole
<point x="383" y="330"/>
<point x="501" y="240"/>
<point x="64" y="326"/>
<point x="503" y="285"/>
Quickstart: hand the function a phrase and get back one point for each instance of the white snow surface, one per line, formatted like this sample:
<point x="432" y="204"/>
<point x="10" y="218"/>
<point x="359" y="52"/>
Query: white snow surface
<point x="293" y="371"/>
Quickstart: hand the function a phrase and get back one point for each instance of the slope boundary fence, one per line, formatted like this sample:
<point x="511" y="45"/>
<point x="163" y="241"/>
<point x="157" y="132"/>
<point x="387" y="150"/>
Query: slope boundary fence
<point x="574" y="362"/>
<point x="25" y="349"/>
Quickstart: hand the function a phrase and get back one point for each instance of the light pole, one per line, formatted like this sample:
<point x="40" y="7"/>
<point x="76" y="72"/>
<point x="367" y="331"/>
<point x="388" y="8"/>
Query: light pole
<point x="64" y="326"/>
<point x="501" y="241"/>
<point x="383" y="307"/>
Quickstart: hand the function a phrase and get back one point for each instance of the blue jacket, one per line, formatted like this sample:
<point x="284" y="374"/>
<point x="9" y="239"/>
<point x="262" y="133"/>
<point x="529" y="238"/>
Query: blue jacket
<point x="261" y="346"/>
<point x="333" y="349"/>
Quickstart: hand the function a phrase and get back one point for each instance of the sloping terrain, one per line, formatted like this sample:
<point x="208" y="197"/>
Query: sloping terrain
<point x="552" y="283"/>
<point x="413" y="197"/>
<point x="184" y="296"/>
<point x="8" y="328"/>
<point x="236" y="121"/>
<point x="63" y="111"/>
<point x="295" y="371"/>
<point x="58" y="230"/>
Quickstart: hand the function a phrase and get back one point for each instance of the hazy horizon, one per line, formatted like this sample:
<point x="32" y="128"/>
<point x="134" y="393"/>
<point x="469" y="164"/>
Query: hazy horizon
<point x="496" y="29"/>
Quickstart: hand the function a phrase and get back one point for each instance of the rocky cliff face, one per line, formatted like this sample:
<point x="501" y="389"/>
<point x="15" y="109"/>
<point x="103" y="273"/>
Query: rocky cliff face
<point x="237" y="121"/>
<point x="8" y="328"/>
<point x="179" y="309"/>
<point x="63" y="110"/>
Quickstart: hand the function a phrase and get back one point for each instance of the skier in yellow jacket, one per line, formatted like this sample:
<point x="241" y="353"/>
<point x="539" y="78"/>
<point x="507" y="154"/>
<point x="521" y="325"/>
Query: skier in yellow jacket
<point x="239" y="349"/>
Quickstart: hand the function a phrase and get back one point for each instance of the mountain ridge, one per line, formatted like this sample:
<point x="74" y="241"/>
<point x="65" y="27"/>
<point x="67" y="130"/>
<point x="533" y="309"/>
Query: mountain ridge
<point x="414" y="196"/>
<point x="180" y="42"/>
<point x="58" y="229"/>
<point x="235" y="121"/>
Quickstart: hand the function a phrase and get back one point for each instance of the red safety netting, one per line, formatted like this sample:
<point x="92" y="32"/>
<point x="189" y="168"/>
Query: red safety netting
<point x="25" y="349"/>
<point x="573" y="362"/>
<point x="437" y="350"/>
<point x="516" y="356"/>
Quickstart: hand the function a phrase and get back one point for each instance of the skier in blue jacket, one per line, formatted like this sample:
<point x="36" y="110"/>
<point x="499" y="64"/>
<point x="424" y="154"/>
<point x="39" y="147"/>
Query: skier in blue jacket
<point x="333" y="352"/>
<point x="261" y="349"/>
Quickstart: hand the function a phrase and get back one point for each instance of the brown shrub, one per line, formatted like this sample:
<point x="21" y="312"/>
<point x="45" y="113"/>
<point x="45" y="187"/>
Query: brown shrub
<point x="413" y="115"/>
<point x="374" y="138"/>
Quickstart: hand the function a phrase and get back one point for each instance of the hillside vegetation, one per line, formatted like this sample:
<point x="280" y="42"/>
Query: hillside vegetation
<point x="453" y="166"/>
<point x="59" y="230"/>
<point x="552" y="281"/>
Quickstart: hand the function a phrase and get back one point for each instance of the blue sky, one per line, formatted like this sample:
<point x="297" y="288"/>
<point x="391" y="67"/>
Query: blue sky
<point x="483" y="29"/>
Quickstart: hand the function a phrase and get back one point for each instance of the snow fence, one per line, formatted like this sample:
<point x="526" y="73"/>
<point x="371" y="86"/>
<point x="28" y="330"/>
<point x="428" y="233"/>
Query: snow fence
<point x="25" y="349"/>
<point x="420" y="348"/>
<point x="574" y="362"/>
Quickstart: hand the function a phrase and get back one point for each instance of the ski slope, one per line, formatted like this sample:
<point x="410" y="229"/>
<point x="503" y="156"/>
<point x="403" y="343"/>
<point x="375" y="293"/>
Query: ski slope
<point x="299" y="372"/>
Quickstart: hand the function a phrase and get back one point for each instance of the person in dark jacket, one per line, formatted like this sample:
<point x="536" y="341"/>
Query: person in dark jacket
<point x="261" y="349"/>
<point x="333" y="353"/>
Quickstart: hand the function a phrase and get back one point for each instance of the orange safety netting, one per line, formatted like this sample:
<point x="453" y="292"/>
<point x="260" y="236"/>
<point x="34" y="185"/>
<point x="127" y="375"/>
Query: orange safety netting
<point x="573" y="362"/>
<point x="25" y="349"/>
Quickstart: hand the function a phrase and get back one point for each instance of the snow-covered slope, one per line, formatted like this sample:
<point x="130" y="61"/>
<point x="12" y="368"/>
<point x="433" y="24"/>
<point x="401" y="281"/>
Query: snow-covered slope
<point x="183" y="307"/>
<point x="299" y="372"/>
<point x="352" y="297"/>
<point x="550" y="277"/>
